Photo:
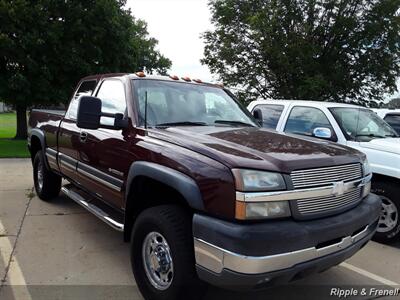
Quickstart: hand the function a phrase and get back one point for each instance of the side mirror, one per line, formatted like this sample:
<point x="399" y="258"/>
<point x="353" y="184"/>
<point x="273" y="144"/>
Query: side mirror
<point x="120" y="122"/>
<point x="89" y="115"/>
<point x="257" y="114"/>
<point x="322" y="133"/>
<point x="89" y="112"/>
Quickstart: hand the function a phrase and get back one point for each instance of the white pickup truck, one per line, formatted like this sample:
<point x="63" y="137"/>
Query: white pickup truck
<point x="350" y="125"/>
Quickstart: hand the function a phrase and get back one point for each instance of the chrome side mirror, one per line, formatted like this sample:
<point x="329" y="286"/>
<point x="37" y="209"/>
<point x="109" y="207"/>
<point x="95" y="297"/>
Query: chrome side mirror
<point x="322" y="133"/>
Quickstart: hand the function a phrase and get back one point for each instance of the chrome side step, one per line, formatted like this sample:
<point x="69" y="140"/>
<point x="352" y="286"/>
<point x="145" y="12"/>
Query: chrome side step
<point x="101" y="214"/>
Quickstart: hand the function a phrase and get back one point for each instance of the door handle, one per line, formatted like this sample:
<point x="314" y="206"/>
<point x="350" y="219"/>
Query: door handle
<point x="83" y="136"/>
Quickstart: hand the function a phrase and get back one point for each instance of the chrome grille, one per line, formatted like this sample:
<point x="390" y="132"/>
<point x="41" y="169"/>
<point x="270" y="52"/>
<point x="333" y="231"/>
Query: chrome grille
<point x="325" y="176"/>
<point x="328" y="204"/>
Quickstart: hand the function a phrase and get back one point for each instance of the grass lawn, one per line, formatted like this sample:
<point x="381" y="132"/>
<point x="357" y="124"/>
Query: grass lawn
<point x="8" y="146"/>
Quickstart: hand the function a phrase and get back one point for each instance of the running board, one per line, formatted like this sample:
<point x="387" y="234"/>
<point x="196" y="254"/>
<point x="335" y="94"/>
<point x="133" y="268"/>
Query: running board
<point x="71" y="193"/>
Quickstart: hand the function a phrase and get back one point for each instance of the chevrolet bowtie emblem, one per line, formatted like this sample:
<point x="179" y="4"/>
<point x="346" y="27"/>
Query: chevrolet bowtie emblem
<point x="338" y="188"/>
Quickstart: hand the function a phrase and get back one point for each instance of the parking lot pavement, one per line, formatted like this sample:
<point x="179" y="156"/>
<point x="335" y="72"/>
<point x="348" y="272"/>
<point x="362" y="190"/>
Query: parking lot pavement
<point x="58" y="250"/>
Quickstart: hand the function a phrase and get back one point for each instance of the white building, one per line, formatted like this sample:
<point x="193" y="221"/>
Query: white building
<point x="4" y="107"/>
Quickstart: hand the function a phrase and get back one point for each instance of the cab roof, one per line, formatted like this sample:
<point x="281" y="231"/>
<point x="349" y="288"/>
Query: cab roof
<point x="143" y="76"/>
<point x="305" y="102"/>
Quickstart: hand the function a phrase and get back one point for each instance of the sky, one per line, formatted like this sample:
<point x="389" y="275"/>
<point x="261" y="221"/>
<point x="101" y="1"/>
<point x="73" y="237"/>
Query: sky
<point x="177" y="25"/>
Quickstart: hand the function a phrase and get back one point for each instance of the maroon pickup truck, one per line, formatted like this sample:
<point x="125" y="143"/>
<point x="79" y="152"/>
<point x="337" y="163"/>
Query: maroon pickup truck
<point x="199" y="189"/>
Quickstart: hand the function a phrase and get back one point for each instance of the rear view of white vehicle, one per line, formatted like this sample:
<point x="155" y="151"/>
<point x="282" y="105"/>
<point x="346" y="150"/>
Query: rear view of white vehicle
<point x="391" y="116"/>
<point x="350" y="125"/>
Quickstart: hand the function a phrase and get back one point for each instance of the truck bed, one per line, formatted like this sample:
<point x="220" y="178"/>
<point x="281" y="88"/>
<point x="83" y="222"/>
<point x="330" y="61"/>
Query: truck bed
<point x="48" y="121"/>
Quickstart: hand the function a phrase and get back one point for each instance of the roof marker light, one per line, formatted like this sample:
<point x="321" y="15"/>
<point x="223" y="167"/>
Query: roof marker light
<point x="140" y="74"/>
<point x="186" y="78"/>
<point x="197" y="80"/>
<point x="174" y="77"/>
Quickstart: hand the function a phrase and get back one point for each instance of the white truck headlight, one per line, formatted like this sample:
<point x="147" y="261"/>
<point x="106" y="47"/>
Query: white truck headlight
<point x="256" y="181"/>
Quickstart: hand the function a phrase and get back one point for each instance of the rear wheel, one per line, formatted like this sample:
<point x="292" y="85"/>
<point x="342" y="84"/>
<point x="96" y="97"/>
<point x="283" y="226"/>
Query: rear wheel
<point x="162" y="255"/>
<point x="47" y="184"/>
<point x="389" y="221"/>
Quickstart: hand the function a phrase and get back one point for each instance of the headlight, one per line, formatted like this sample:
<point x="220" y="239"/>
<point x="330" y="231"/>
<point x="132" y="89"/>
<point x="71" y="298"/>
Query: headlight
<point x="366" y="190"/>
<point x="260" y="181"/>
<point x="366" y="171"/>
<point x="255" y="181"/>
<point x="366" y="167"/>
<point x="262" y="210"/>
<point x="367" y="178"/>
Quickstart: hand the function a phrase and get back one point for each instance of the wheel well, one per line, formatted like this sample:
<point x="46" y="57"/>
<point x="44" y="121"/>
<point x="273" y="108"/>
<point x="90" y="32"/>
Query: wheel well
<point x="384" y="178"/>
<point x="144" y="193"/>
<point x="35" y="146"/>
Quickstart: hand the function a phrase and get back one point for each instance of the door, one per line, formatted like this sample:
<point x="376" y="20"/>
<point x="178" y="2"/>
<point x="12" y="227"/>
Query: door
<point x="69" y="133"/>
<point x="304" y="119"/>
<point x="103" y="155"/>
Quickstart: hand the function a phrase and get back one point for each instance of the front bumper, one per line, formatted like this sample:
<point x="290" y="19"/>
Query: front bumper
<point x="257" y="255"/>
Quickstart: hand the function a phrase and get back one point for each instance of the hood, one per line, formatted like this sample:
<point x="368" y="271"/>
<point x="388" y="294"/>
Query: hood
<point x="391" y="145"/>
<point x="258" y="148"/>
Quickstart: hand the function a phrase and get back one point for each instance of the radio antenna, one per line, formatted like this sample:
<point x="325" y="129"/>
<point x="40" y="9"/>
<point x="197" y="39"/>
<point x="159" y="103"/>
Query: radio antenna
<point x="145" y="110"/>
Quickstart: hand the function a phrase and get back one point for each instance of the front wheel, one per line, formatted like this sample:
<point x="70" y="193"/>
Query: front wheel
<point x="162" y="255"/>
<point x="389" y="222"/>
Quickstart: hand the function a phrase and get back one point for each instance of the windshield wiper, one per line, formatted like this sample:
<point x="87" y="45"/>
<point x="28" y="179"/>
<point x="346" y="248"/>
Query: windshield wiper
<point x="370" y="135"/>
<point x="391" y="135"/>
<point x="234" y="123"/>
<point x="184" y="123"/>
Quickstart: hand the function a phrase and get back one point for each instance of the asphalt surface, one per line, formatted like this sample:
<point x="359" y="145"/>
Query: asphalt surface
<point x="58" y="250"/>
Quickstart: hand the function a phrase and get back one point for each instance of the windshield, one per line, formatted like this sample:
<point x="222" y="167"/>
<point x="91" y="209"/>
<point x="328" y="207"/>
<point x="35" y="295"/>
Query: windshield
<point x="360" y="124"/>
<point x="183" y="104"/>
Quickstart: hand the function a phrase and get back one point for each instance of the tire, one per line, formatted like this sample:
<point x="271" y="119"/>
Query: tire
<point x="389" y="222"/>
<point x="170" y="224"/>
<point x="47" y="184"/>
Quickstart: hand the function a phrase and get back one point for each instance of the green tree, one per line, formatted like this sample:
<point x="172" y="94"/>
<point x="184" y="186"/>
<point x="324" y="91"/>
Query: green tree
<point x="46" y="46"/>
<point x="305" y="49"/>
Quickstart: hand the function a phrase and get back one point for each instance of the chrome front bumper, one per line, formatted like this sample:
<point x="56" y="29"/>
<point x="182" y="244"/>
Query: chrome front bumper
<point x="252" y="255"/>
<point x="216" y="259"/>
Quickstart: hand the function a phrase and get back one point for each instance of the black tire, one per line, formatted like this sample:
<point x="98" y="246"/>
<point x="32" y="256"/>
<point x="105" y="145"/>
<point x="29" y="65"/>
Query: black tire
<point x="49" y="186"/>
<point x="174" y="224"/>
<point x="390" y="195"/>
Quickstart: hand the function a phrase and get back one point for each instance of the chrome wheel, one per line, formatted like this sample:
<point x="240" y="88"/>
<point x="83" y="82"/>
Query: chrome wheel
<point x="157" y="261"/>
<point x="389" y="215"/>
<point x="40" y="175"/>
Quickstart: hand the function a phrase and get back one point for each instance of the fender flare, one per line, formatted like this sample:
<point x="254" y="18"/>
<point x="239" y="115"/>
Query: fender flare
<point x="184" y="184"/>
<point x="40" y="135"/>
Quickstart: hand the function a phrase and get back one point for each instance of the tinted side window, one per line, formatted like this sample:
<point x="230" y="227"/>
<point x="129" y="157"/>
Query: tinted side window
<point x="86" y="87"/>
<point x="394" y="121"/>
<point x="303" y="120"/>
<point x="112" y="95"/>
<point x="270" y="114"/>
